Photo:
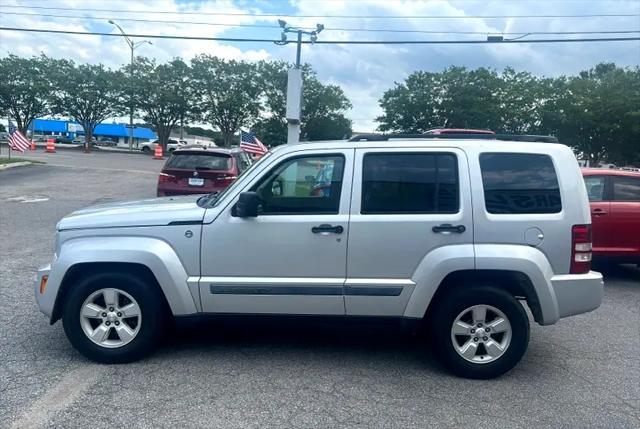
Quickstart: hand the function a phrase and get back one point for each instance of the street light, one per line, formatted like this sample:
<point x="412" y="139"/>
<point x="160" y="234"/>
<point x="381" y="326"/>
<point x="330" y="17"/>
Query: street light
<point x="132" y="45"/>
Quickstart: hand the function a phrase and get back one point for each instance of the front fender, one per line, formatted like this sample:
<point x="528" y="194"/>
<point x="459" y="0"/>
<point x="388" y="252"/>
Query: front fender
<point x="157" y="255"/>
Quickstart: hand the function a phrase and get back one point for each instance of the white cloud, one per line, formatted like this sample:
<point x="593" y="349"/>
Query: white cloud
<point x="364" y="71"/>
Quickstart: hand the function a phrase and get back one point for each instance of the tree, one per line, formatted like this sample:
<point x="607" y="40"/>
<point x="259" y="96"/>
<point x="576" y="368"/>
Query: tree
<point x="25" y="88"/>
<point x="598" y="114"/>
<point x="323" y="106"/>
<point x="89" y="94"/>
<point x="164" y="94"/>
<point x="228" y="92"/>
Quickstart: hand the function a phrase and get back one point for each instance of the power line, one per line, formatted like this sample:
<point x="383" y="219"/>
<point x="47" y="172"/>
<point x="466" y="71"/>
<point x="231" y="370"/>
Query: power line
<point x="327" y="42"/>
<point x="609" y="15"/>
<point x="104" y="18"/>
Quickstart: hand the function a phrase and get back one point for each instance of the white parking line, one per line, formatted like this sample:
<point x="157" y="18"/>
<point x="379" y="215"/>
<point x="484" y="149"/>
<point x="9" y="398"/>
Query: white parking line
<point x="60" y="396"/>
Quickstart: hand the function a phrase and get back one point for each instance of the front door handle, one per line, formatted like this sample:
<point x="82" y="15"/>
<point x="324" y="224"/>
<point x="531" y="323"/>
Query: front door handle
<point x="325" y="229"/>
<point x="448" y="228"/>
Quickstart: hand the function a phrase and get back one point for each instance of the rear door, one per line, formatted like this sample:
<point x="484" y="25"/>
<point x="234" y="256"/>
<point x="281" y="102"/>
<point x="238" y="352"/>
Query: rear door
<point x="600" y="212"/>
<point x="406" y="204"/>
<point x="625" y="215"/>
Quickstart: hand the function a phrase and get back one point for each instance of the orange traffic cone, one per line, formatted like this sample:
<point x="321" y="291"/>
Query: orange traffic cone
<point x="158" y="152"/>
<point x="32" y="145"/>
<point x="51" y="146"/>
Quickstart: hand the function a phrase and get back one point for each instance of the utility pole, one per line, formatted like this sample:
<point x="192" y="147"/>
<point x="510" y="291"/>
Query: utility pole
<point x="132" y="45"/>
<point x="294" y="79"/>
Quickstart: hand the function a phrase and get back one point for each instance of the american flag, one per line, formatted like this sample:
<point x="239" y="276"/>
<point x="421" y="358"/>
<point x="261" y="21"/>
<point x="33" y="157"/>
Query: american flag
<point x="250" y="143"/>
<point x="17" y="141"/>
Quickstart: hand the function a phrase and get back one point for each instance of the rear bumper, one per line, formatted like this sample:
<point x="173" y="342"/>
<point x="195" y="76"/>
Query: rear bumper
<point x="171" y="191"/>
<point x="577" y="293"/>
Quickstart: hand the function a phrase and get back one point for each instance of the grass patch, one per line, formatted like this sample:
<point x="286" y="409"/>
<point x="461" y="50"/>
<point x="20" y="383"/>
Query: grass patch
<point x="4" y="160"/>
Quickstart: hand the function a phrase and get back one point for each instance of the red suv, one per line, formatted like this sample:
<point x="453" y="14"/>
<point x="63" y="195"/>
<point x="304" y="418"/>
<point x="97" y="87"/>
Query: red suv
<point x="615" y="213"/>
<point x="198" y="170"/>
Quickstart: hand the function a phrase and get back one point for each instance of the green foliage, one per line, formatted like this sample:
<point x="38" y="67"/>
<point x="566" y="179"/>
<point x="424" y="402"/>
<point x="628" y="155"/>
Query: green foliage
<point x="597" y="112"/>
<point x="163" y="94"/>
<point x="87" y="93"/>
<point x="228" y="93"/>
<point x="322" y="110"/>
<point x="25" y="88"/>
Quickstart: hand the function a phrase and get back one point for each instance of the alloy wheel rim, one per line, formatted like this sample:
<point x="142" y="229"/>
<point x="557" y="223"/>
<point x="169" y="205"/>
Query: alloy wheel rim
<point x="110" y="318"/>
<point x="481" y="334"/>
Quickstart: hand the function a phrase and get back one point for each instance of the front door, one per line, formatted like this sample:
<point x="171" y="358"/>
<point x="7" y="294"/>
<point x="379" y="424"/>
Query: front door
<point x="291" y="258"/>
<point x="625" y="215"/>
<point x="407" y="203"/>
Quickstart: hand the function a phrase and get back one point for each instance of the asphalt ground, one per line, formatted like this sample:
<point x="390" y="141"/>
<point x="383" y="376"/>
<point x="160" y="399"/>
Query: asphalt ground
<point x="580" y="373"/>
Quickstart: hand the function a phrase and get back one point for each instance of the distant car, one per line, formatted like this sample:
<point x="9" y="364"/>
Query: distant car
<point x="63" y="139"/>
<point x="81" y="139"/>
<point x="172" y="144"/>
<point x="614" y="196"/>
<point x="198" y="170"/>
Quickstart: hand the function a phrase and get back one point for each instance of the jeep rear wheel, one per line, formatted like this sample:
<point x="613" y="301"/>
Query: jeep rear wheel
<point x="113" y="318"/>
<point x="479" y="332"/>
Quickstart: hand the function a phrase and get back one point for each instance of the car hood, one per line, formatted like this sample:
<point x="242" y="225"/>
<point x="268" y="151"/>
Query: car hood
<point x="150" y="212"/>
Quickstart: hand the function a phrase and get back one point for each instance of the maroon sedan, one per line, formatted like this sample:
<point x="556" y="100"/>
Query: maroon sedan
<point x="199" y="170"/>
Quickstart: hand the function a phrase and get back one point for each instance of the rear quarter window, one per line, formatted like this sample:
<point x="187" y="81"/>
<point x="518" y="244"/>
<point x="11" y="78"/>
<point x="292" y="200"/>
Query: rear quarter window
<point x="518" y="183"/>
<point x="190" y="161"/>
<point x="626" y="189"/>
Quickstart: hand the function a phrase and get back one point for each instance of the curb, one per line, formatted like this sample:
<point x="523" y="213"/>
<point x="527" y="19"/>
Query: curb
<point x="15" y="164"/>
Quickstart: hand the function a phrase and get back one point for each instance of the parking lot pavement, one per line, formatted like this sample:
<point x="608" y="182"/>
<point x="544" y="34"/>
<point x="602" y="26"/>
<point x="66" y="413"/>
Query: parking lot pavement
<point x="582" y="372"/>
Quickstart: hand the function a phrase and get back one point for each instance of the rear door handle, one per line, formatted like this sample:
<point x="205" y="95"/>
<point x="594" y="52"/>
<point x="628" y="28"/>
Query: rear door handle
<point x="448" y="228"/>
<point x="325" y="229"/>
<point x="598" y="212"/>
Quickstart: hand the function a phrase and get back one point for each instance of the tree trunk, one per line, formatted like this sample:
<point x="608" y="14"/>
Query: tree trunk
<point x="88" y="136"/>
<point x="163" y="138"/>
<point x="228" y="137"/>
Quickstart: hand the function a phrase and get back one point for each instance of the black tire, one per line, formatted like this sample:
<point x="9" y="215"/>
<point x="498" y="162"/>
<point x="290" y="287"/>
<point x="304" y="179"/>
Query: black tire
<point x="152" y="309"/>
<point x="447" y="309"/>
<point x="146" y="149"/>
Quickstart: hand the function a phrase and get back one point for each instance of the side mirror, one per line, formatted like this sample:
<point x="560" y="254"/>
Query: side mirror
<point x="247" y="205"/>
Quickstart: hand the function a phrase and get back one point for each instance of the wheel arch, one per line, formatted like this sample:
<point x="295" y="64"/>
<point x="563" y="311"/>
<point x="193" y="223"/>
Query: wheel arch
<point x="77" y="271"/>
<point x="516" y="283"/>
<point x="150" y="257"/>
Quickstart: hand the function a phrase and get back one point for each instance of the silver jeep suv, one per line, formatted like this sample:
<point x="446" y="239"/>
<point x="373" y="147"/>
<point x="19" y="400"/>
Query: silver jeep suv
<point x="455" y="232"/>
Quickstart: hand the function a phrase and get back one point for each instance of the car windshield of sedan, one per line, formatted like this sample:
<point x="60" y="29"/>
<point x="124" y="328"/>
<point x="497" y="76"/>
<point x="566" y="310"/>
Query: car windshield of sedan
<point x="191" y="161"/>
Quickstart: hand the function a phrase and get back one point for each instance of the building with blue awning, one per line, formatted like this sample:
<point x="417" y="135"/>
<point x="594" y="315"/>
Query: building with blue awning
<point x="118" y="133"/>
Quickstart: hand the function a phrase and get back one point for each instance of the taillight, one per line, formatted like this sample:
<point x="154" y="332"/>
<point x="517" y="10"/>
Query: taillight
<point x="580" y="249"/>
<point x="167" y="178"/>
<point x="225" y="180"/>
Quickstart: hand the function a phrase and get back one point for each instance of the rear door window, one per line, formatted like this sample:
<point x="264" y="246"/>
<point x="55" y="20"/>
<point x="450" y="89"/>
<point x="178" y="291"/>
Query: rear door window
<point x="519" y="183"/>
<point x="409" y="183"/>
<point x="595" y="187"/>
<point x="190" y="161"/>
<point x="626" y="189"/>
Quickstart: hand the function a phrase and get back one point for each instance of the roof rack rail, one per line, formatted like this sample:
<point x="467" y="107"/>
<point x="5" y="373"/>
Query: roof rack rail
<point x="465" y="136"/>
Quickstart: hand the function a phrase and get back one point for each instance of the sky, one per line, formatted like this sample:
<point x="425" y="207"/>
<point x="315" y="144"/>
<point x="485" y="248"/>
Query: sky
<point x="363" y="71"/>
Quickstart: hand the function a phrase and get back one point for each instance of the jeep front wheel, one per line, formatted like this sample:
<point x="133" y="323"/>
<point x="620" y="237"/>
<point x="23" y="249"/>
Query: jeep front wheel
<point x="113" y="318"/>
<point x="480" y="332"/>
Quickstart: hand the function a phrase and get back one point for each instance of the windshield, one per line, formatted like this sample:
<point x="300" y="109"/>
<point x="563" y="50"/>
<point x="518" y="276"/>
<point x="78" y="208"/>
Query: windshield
<point x="201" y="161"/>
<point x="214" y="198"/>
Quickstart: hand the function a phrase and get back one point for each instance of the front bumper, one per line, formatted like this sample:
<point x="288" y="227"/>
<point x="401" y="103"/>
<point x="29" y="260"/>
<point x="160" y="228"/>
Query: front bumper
<point x="577" y="293"/>
<point x="45" y="300"/>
